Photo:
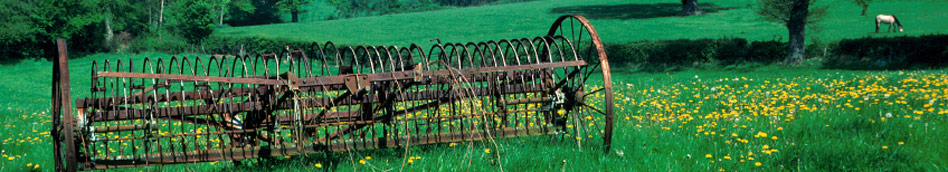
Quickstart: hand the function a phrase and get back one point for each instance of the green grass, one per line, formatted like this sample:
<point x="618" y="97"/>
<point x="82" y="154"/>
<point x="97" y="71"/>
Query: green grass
<point x="661" y="125"/>
<point x="653" y="131"/>
<point x="652" y="20"/>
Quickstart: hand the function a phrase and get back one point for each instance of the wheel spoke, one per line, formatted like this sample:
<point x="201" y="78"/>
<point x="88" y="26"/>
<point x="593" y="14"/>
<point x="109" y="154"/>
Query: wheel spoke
<point x="594" y="92"/>
<point x="594" y="108"/>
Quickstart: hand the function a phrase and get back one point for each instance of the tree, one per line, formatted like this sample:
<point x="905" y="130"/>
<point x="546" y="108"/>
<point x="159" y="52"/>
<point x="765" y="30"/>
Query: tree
<point x="252" y="12"/>
<point x="195" y="19"/>
<point x="690" y="7"/>
<point x="128" y="17"/>
<point x="294" y="7"/>
<point x="795" y="15"/>
<point x="80" y="22"/>
<point x="864" y="4"/>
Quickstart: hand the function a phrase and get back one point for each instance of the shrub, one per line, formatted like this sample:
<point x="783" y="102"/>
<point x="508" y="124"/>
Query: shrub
<point x="169" y="44"/>
<point x="661" y="55"/>
<point x="889" y="53"/>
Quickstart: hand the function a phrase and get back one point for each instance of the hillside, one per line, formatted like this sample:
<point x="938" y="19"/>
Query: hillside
<point x="616" y="21"/>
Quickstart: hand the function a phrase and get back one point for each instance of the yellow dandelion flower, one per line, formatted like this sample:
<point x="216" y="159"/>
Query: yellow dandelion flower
<point x="368" y="157"/>
<point x="757" y="164"/>
<point x="487" y="150"/>
<point x="727" y="157"/>
<point x="885" y="147"/>
<point x="773" y="137"/>
<point x="318" y="165"/>
<point x="361" y="161"/>
<point x="708" y="156"/>
<point x="901" y="143"/>
<point x="35" y="166"/>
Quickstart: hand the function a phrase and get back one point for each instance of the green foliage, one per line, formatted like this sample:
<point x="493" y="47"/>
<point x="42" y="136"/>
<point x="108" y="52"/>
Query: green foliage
<point x="657" y="56"/>
<point x="252" y="45"/>
<point x="292" y="5"/>
<point x="252" y="12"/>
<point x="195" y="20"/>
<point x="904" y="52"/>
<point x="778" y="11"/>
<point x="152" y="44"/>
<point x="31" y="27"/>
<point x="17" y="28"/>
<point x="864" y="4"/>
<point x="465" y="2"/>
<point x="361" y="8"/>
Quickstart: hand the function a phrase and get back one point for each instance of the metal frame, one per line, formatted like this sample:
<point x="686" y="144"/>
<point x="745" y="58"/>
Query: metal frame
<point x="329" y="99"/>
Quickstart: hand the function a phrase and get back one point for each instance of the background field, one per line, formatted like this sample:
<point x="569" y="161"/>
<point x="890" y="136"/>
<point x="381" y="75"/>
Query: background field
<point x="784" y="118"/>
<point x="616" y="20"/>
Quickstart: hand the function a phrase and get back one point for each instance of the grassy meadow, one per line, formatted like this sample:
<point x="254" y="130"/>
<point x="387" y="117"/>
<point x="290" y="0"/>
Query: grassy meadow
<point x="761" y="118"/>
<point x="616" y="21"/>
<point x="764" y="118"/>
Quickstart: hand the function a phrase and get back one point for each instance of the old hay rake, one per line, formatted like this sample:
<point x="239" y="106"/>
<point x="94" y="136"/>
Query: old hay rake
<point x="330" y="99"/>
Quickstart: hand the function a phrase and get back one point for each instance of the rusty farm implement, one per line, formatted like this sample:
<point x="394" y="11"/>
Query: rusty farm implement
<point x="325" y="98"/>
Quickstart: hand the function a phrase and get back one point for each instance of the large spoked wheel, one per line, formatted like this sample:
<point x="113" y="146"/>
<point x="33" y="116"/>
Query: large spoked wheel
<point x="587" y="105"/>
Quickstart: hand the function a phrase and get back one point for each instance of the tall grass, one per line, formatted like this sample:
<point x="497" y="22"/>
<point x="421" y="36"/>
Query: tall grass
<point x="782" y="118"/>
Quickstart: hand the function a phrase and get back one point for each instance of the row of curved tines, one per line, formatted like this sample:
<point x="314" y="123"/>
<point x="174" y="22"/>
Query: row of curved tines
<point x="318" y="60"/>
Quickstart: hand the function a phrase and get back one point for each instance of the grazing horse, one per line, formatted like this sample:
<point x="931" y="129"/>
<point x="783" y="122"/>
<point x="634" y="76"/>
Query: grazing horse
<point x="889" y="20"/>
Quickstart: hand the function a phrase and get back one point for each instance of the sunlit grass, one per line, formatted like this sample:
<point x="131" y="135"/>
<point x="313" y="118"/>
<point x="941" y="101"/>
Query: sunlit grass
<point x="609" y="17"/>
<point x="769" y="118"/>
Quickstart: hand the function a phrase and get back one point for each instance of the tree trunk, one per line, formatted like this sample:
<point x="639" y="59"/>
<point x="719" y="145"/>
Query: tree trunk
<point x="108" y="30"/>
<point x="296" y="15"/>
<point x="690" y="7"/>
<point x="220" y="20"/>
<point x="797" y="27"/>
<point x="161" y="18"/>
<point x="864" y="9"/>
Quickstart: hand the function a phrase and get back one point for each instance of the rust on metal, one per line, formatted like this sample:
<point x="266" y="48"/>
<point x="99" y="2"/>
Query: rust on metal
<point x="160" y="111"/>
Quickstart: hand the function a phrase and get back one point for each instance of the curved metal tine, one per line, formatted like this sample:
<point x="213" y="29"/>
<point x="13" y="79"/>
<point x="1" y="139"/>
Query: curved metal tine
<point x="509" y="51"/>
<point x="529" y="51"/>
<point x="371" y="55"/>
<point x="415" y="54"/>
<point x="331" y="53"/>
<point x="433" y="125"/>
<point x="364" y="57"/>
<point x="481" y="106"/>
<point x="465" y="85"/>
<point x="394" y="61"/>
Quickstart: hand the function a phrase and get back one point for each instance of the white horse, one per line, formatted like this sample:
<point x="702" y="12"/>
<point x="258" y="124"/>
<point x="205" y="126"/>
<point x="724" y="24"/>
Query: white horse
<point x="889" y="20"/>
